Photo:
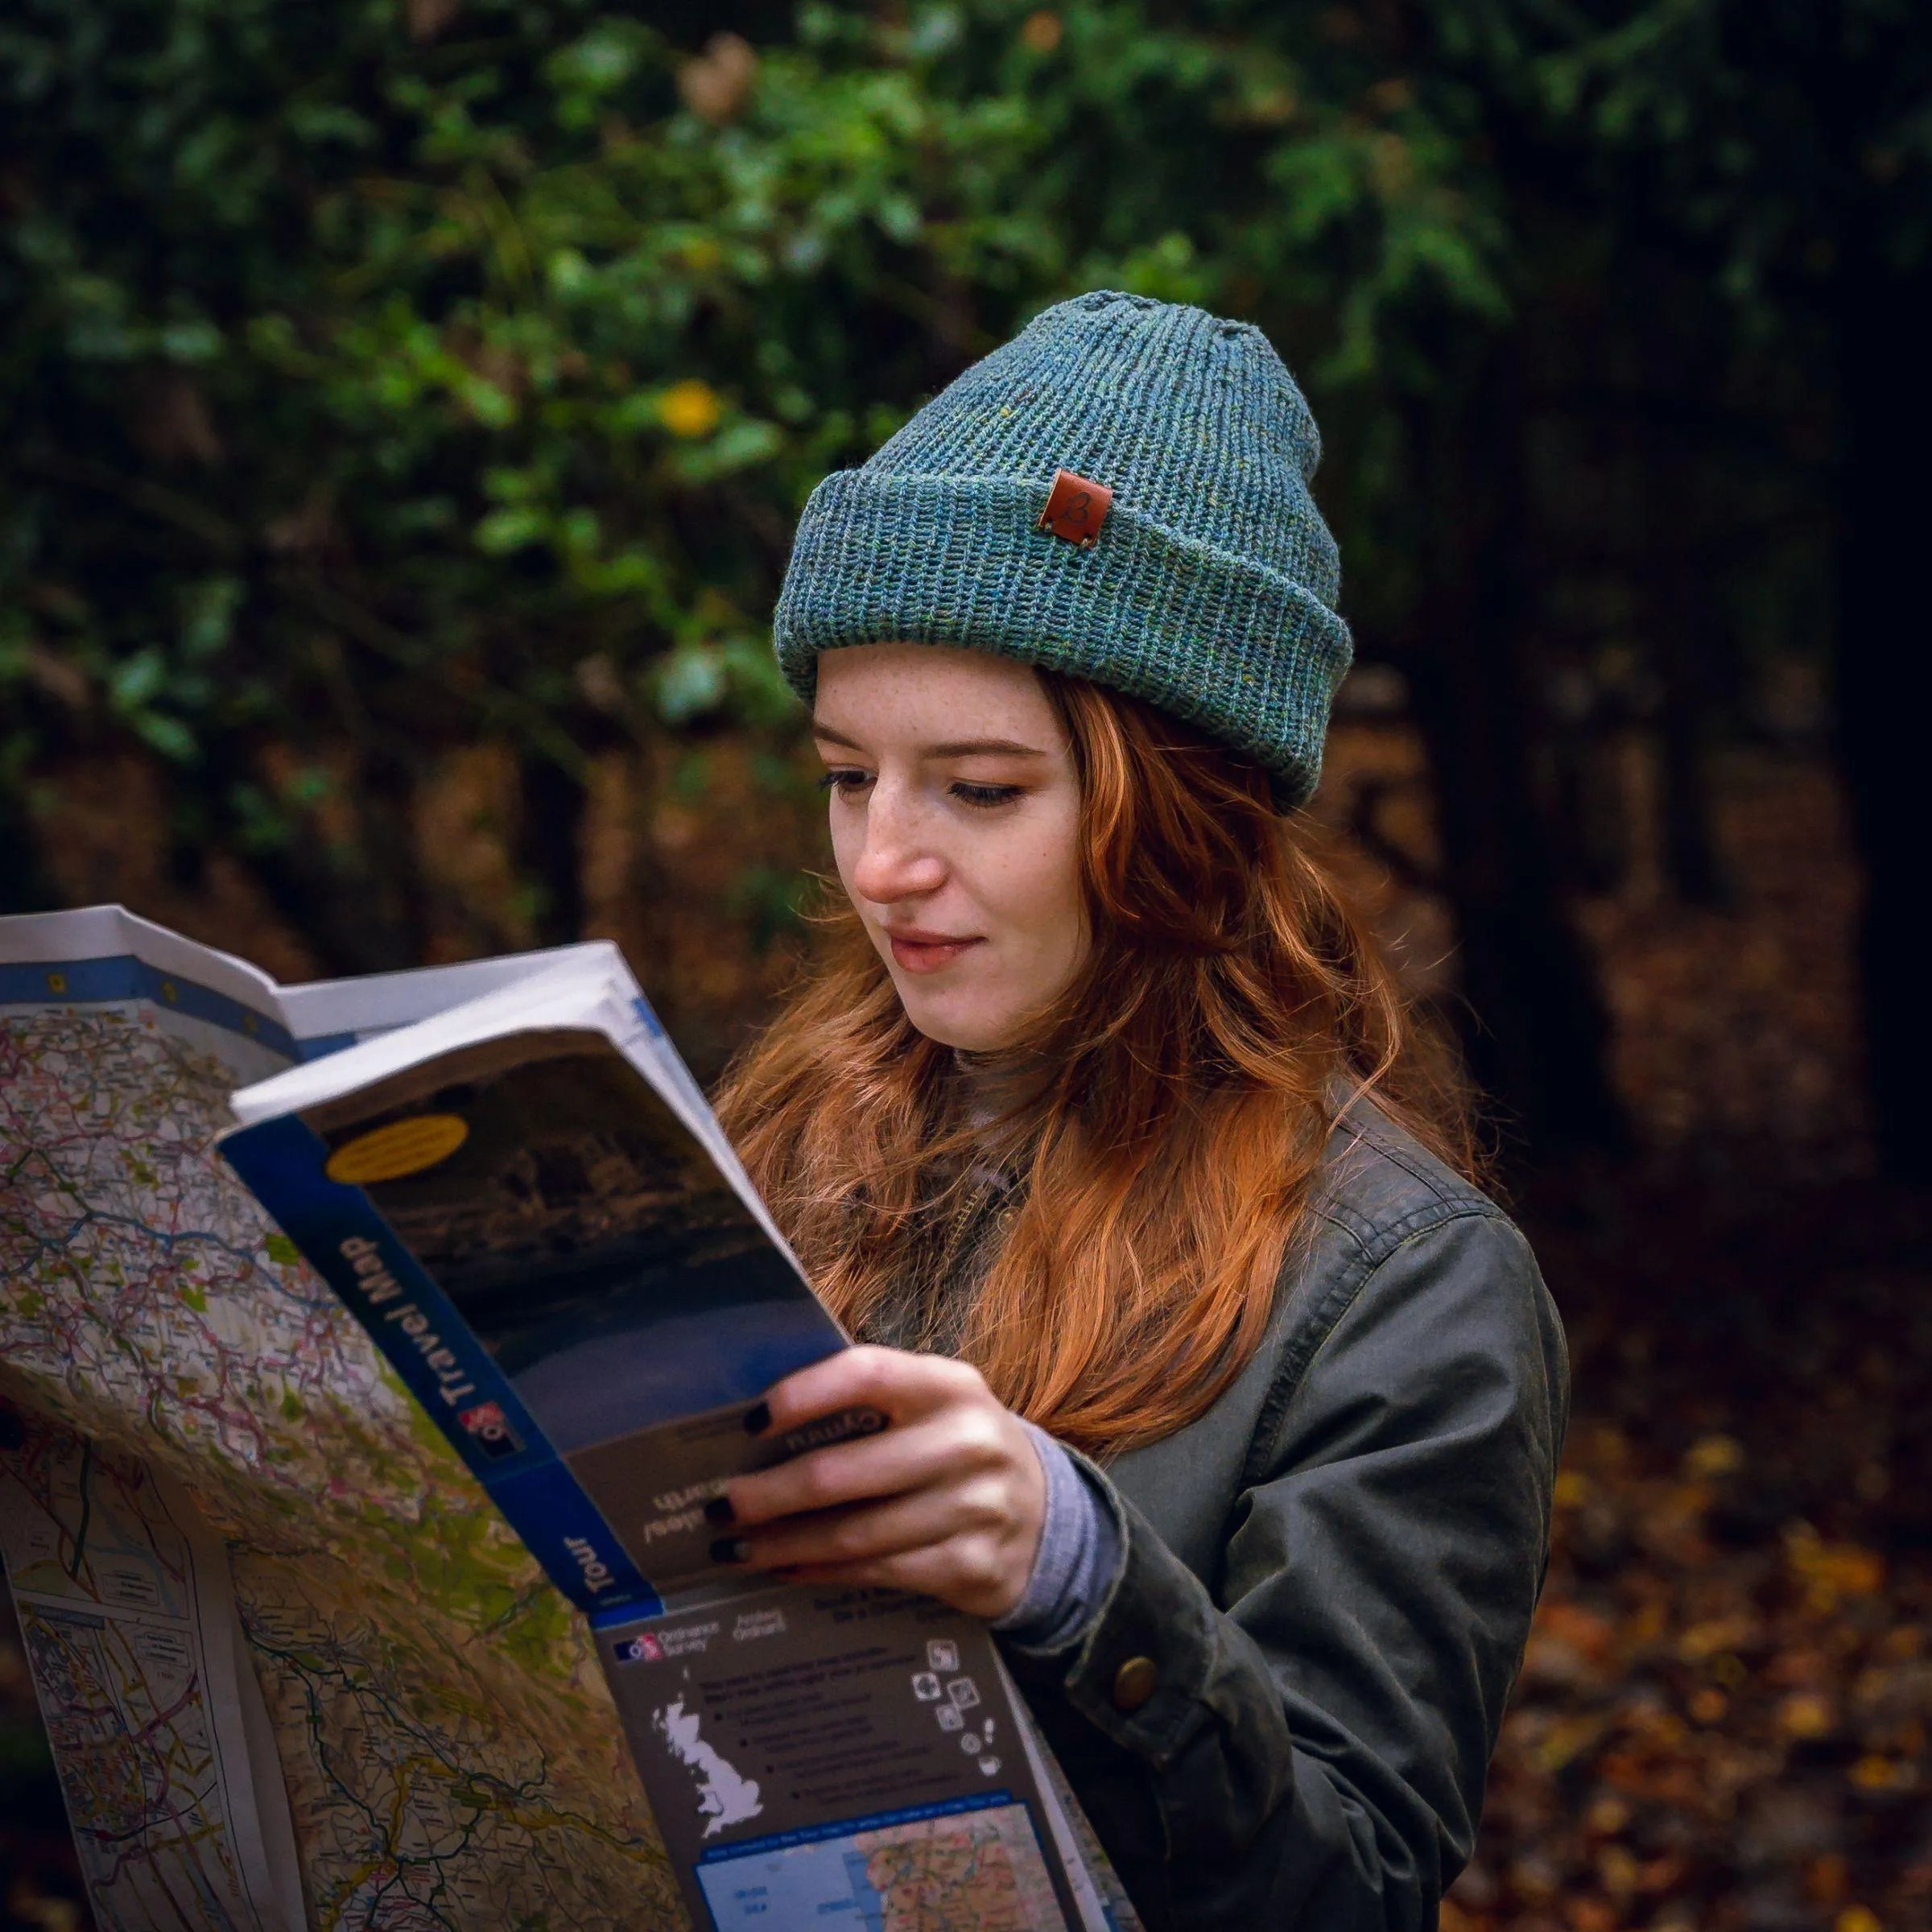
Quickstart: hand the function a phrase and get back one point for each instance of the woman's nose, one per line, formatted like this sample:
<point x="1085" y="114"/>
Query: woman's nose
<point x="895" y="862"/>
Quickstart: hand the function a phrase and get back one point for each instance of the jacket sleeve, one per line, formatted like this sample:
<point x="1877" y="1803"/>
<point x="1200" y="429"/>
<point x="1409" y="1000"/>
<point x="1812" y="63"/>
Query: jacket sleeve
<point x="1310" y="1750"/>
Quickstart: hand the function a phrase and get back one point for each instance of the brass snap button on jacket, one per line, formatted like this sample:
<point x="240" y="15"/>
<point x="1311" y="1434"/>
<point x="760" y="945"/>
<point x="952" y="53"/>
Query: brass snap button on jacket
<point x="1134" y="1682"/>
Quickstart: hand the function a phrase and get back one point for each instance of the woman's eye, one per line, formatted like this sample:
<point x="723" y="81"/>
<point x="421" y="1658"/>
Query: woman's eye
<point x="985" y="795"/>
<point x="844" y="777"/>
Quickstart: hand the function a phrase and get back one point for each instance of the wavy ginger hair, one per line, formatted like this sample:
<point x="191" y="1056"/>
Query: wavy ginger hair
<point x="1230" y="1003"/>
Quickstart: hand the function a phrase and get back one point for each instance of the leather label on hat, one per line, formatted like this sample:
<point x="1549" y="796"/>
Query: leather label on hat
<point x="1076" y="508"/>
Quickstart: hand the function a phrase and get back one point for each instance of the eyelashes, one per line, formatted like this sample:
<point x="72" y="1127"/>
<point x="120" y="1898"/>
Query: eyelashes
<point x="982" y="797"/>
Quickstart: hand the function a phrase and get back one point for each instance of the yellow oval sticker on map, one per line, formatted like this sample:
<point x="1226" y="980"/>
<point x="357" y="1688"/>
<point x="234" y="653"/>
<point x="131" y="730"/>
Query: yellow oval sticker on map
<point x="401" y="1148"/>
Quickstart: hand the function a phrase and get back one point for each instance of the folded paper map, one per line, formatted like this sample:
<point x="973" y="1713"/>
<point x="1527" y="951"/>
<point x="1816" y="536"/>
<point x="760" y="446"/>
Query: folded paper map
<point x="328" y="1633"/>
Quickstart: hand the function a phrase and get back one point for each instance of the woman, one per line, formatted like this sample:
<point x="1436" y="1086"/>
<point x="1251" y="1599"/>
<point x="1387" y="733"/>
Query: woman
<point x="1213" y="1384"/>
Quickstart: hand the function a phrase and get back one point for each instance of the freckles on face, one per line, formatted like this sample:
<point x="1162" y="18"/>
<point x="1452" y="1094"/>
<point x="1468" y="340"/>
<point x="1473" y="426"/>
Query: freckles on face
<point x="956" y="819"/>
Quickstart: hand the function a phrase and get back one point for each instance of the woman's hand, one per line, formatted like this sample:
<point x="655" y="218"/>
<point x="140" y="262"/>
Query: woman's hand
<point x="948" y="1501"/>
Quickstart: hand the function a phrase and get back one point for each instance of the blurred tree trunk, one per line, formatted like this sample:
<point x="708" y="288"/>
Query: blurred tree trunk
<point x="1884" y="343"/>
<point x="1685" y="625"/>
<point x="1534" y="1029"/>
<point x="361" y="909"/>
<point x="550" y="847"/>
<point x="24" y="886"/>
<point x="32" y="735"/>
<point x="358" y="902"/>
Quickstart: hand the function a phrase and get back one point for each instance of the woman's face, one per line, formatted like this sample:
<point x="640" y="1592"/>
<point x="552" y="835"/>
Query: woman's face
<point x="956" y="820"/>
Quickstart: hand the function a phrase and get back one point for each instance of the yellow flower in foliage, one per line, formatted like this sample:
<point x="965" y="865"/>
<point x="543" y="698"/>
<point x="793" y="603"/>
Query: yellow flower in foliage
<point x="690" y="408"/>
<point x="1040" y="33"/>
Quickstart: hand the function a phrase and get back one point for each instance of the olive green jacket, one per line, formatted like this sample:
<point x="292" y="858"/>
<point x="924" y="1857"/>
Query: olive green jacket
<point x="1283" y="1713"/>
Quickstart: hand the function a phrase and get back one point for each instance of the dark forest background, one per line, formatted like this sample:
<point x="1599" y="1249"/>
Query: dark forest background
<point x="404" y="407"/>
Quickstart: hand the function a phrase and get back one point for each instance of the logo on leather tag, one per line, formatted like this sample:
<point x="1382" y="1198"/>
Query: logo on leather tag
<point x="1076" y="509"/>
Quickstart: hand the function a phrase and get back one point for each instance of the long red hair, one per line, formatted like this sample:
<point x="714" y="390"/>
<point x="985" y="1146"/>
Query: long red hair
<point x="1231" y="1002"/>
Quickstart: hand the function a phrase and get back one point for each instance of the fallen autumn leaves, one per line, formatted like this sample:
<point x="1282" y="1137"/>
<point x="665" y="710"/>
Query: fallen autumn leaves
<point x="1722" y="1721"/>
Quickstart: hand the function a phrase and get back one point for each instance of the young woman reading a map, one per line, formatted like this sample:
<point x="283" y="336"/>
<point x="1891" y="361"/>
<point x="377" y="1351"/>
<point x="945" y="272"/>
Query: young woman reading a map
<point x="1214" y="1383"/>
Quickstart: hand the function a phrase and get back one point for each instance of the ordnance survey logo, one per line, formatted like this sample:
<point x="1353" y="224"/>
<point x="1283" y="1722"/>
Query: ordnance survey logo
<point x="488" y="1424"/>
<point x="643" y="1648"/>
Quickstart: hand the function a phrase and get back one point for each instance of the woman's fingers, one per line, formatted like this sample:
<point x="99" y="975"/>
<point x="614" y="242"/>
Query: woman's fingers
<point x="934" y="1570"/>
<point x="973" y="1570"/>
<point x="900" y="1457"/>
<point x="900" y="1385"/>
<point x="930" y="1514"/>
<point x="948" y="1500"/>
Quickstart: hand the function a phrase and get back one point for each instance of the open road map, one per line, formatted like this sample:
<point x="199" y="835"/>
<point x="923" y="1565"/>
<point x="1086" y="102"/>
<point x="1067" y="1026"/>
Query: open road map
<point x="295" y="1667"/>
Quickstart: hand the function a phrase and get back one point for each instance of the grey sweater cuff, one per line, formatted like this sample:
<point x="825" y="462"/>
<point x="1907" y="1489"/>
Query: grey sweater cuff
<point x="1077" y="1563"/>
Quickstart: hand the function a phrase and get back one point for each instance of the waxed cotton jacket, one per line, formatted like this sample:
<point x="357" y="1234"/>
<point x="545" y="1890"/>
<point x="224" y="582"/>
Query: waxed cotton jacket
<point x="1283" y="1713"/>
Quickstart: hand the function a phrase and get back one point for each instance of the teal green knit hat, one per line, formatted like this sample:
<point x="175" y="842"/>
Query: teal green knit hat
<point x="1210" y="587"/>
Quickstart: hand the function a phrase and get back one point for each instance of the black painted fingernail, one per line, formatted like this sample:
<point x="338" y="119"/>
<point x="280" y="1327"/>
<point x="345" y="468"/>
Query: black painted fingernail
<point x="719" y="1511"/>
<point x="730" y="1549"/>
<point x="758" y="1418"/>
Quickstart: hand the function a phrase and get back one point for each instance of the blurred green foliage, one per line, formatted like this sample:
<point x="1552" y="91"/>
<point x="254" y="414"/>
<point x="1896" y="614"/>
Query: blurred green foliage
<point x="385" y="376"/>
<point x="394" y="375"/>
<point x="382" y="377"/>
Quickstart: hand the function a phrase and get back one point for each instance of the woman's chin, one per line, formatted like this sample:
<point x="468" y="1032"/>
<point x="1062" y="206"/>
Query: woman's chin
<point x="958" y="1023"/>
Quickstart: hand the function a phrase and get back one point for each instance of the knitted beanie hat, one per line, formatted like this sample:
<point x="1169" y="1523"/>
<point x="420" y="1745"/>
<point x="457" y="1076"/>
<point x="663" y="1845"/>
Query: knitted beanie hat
<point x="1206" y="584"/>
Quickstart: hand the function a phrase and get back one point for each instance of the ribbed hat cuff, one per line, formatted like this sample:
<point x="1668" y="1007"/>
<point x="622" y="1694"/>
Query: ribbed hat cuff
<point x="937" y="559"/>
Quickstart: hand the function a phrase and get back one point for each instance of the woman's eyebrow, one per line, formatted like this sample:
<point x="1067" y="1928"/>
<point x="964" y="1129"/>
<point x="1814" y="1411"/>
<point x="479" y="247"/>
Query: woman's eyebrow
<point x="955" y="747"/>
<point x="967" y="747"/>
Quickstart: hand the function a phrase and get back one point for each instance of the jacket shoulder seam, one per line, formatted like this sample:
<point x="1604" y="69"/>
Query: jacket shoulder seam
<point x="1305" y="1338"/>
<point x="1374" y="1131"/>
<point x="1377" y="1240"/>
<point x="1331" y="1199"/>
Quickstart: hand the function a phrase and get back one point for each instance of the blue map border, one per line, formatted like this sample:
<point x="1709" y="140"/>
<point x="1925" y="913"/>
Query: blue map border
<point x="123" y="976"/>
<point x="282" y="1160"/>
<point x="877" y="1821"/>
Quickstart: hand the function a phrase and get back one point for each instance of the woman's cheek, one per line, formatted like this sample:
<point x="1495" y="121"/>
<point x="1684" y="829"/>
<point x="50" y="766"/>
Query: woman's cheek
<point x="1055" y="913"/>
<point x="848" y="841"/>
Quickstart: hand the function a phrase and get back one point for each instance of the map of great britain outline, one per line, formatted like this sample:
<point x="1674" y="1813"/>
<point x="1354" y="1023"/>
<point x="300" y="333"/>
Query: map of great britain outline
<point x="451" y="1755"/>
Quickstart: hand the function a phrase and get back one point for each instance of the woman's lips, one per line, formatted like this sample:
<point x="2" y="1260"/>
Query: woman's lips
<point x="926" y="951"/>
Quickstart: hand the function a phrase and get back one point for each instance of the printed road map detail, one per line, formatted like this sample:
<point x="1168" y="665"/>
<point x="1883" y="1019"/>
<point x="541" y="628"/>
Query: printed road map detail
<point x="450" y="1753"/>
<point x="983" y="1871"/>
<point x="972" y="1872"/>
<point x="104" y="1581"/>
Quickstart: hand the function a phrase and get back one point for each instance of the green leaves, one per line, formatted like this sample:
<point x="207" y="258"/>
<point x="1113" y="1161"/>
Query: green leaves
<point x="373" y="387"/>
